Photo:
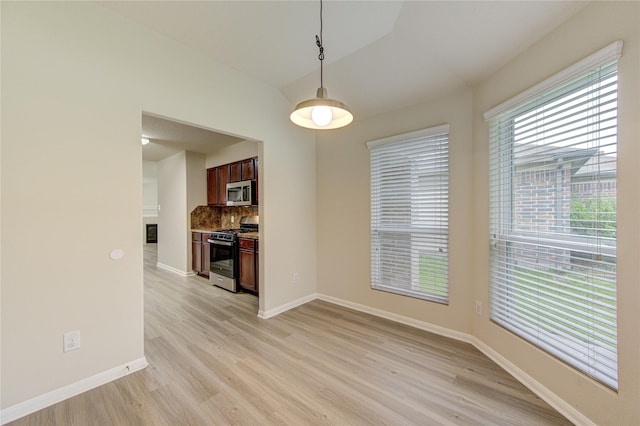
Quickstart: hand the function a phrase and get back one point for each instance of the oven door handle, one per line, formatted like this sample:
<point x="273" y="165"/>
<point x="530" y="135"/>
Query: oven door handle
<point x="220" y="243"/>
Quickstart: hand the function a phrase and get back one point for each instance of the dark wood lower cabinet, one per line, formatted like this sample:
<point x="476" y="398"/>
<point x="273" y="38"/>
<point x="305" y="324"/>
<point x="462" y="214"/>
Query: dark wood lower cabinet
<point x="248" y="264"/>
<point x="200" y="253"/>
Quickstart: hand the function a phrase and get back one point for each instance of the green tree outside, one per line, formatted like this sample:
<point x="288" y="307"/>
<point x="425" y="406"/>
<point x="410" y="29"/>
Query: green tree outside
<point x="594" y="217"/>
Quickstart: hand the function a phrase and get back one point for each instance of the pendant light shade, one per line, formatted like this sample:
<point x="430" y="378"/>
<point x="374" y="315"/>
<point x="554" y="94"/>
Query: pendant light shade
<point x="321" y="112"/>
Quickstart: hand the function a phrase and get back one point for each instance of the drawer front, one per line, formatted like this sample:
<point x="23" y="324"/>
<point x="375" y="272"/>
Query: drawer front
<point x="246" y="243"/>
<point x="196" y="236"/>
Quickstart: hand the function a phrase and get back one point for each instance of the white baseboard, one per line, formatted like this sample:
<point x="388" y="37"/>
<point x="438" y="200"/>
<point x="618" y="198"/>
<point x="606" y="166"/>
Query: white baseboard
<point x="283" y="308"/>
<point x="38" y="403"/>
<point x="27" y="407"/>
<point x="422" y="325"/>
<point x="536" y="387"/>
<point x="175" y="270"/>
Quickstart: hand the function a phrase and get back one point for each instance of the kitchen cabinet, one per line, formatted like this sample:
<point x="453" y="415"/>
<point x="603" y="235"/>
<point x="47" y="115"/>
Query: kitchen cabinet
<point x="248" y="264"/>
<point x="255" y="172"/>
<point x="242" y="170"/>
<point x="219" y="177"/>
<point x="200" y="251"/>
<point x="212" y="186"/>
<point x="248" y="169"/>
<point x="235" y="172"/>
<point x="223" y="180"/>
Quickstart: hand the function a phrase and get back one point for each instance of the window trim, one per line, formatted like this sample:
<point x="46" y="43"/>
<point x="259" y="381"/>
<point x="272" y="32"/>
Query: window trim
<point x="407" y="137"/>
<point x="609" y="53"/>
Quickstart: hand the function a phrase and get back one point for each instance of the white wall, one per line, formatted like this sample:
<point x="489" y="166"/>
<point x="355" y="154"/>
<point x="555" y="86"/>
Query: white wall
<point x="173" y="223"/>
<point x="196" y="180"/>
<point x="596" y="26"/>
<point x="196" y="184"/>
<point x="149" y="188"/>
<point x="343" y="210"/>
<point x="1" y="197"/>
<point x="236" y="152"/>
<point x="75" y="81"/>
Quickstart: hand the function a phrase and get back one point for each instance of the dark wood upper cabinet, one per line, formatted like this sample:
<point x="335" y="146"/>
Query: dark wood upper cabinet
<point x="255" y="168"/>
<point x="248" y="169"/>
<point x="235" y="172"/>
<point x="212" y="186"/>
<point x="219" y="177"/>
<point x="223" y="180"/>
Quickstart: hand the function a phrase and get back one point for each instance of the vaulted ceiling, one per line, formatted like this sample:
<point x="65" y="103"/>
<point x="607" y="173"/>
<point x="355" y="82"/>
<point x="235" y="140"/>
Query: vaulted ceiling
<point x="380" y="55"/>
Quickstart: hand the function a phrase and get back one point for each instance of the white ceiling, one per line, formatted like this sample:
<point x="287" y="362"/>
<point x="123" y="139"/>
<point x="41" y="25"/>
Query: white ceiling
<point x="380" y="55"/>
<point x="168" y="137"/>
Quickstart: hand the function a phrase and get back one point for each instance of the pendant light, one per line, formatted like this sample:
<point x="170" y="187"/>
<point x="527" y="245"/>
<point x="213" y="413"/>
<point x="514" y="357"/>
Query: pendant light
<point x="321" y="112"/>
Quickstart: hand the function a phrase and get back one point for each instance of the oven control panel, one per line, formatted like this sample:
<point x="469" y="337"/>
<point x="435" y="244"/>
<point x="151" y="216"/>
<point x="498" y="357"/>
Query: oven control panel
<point x="222" y="236"/>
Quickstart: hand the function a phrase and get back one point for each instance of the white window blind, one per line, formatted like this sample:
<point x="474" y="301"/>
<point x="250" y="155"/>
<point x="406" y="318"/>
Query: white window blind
<point x="553" y="169"/>
<point x="410" y="214"/>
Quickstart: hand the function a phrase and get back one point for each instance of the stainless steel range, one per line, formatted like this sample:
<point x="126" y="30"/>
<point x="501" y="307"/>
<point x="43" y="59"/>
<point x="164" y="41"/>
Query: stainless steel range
<point x="223" y="244"/>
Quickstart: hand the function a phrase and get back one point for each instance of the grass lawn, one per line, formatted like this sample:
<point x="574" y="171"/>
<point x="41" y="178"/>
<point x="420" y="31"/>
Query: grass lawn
<point x="434" y="274"/>
<point x="568" y="303"/>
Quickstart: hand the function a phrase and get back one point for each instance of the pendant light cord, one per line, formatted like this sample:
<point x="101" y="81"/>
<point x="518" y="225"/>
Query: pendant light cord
<point x="319" y="44"/>
<point x="321" y="112"/>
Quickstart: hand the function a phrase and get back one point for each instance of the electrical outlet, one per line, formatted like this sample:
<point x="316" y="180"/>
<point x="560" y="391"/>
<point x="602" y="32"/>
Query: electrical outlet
<point x="71" y="341"/>
<point x="296" y="277"/>
<point x="478" y="307"/>
<point x="233" y="219"/>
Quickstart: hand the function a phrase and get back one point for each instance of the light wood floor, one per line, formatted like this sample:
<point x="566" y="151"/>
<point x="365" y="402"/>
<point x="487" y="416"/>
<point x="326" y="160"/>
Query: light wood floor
<point x="212" y="361"/>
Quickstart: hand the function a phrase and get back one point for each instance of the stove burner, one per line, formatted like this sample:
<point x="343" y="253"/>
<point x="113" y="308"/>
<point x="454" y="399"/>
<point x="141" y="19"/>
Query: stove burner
<point x="247" y="224"/>
<point x="229" y="234"/>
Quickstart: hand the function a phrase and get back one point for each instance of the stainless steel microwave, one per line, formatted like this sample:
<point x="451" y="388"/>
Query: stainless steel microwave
<point x="241" y="193"/>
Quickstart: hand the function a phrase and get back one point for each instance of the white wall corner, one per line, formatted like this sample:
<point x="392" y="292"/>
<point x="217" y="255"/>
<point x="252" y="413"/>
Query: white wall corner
<point x="175" y="270"/>
<point x="536" y="387"/>
<point x="22" y="409"/>
<point x="422" y="325"/>
<point x="287" y="306"/>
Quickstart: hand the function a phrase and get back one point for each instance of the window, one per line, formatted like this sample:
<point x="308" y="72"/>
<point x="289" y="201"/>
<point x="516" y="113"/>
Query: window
<point x="410" y="214"/>
<point x="552" y="181"/>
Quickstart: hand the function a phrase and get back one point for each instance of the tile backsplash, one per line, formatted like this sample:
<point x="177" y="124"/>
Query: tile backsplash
<point x="206" y="217"/>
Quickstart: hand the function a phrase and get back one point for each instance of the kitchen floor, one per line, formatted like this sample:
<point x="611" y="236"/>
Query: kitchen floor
<point x="213" y="361"/>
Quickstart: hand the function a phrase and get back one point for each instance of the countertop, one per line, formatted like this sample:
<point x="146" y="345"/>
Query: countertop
<point x="252" y="235"/>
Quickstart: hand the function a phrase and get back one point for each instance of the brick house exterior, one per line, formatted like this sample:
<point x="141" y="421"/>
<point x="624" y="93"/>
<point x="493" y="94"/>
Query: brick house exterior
<point x="543" y="189"/>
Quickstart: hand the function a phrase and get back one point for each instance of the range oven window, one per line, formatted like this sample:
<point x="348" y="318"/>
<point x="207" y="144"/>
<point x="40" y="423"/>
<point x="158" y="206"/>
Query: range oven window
<point x="222" y="258"/>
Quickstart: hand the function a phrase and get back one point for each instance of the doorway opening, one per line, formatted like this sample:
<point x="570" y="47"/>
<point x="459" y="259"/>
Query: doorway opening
<point x="177" y="158"/>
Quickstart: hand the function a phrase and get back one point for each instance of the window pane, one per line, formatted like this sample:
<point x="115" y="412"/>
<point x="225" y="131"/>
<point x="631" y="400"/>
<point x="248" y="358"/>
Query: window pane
<point x="409" y="215"/>
<point x="553" y="176"/>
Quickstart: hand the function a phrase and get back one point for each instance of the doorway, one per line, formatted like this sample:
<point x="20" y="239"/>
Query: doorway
<point x="175" y="160"/>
